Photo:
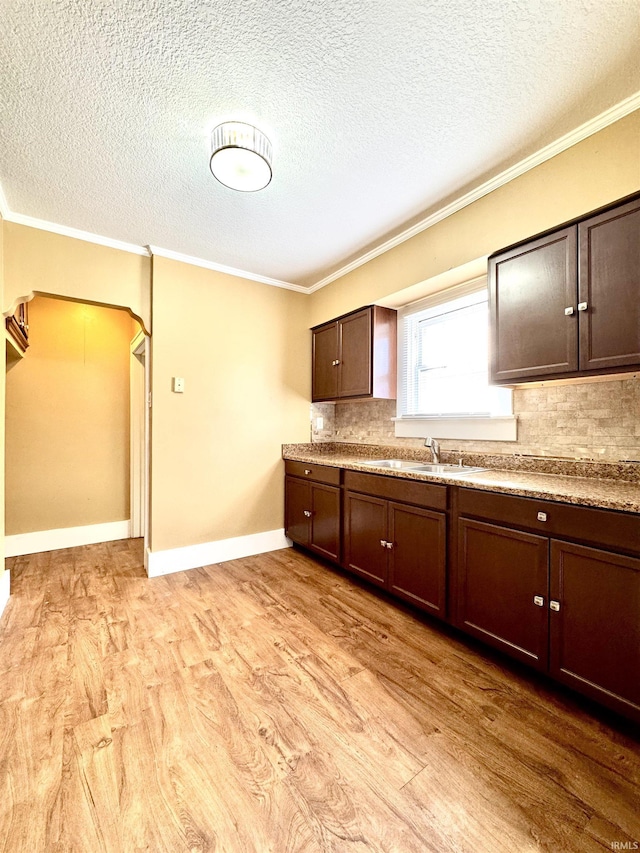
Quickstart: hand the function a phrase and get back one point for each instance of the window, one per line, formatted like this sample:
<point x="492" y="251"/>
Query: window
<point x="443" y="370"/>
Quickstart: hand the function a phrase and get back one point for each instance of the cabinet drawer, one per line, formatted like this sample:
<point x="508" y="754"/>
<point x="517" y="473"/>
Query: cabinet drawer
<point x="317" y="473"/>
<point x="408" y="491"/>
<point x="617" y="530"/>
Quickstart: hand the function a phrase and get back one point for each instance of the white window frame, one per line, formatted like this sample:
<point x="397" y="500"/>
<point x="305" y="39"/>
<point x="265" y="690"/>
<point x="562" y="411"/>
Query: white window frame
<point x="498" y="425"/>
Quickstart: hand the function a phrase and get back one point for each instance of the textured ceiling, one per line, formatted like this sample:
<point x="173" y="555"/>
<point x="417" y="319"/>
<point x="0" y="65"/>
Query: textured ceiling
<point x="378" y="111"/>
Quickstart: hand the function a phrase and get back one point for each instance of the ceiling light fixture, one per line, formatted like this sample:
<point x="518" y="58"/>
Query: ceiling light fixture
<point x="240" y="156"/>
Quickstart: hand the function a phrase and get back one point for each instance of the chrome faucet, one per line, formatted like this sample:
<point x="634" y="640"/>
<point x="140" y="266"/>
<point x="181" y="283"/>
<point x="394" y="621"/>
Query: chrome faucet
<point x="434" y="447"/>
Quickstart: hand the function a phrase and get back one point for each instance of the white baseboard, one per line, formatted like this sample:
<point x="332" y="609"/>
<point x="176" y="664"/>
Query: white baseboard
<point x="65" y="537"/>
<point x="194" y="556"/>
<point x="4" y="591"/>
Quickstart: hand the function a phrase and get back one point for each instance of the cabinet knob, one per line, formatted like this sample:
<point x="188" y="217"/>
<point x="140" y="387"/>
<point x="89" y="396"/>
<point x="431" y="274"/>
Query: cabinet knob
<point x="307" y="470"/>
<point x="569" y="311"/>
<point x="384" y="543"/>
<point x="542" y="516"/>
<point x="307" y="513"/>
<point x="554" y="605"/>
<point x="337" y="362"/>
<point x="538" y="600"/>
<point x="582" y="306"/>
<point x="389" y="545"/>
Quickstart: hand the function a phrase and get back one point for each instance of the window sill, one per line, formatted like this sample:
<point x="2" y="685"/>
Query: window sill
<point x="474" y="429"/>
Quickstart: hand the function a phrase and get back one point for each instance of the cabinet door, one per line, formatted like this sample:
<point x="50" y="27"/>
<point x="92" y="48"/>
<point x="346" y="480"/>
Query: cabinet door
<point x="530" y="288"/>
<point x="609" y="289"/>
<point x="324" y="357"/>
<point x="297" y="500"/>
<point x="324" y="535"/>
<point x="595" y="634"/>
<point x="365" y="536"/>
<point x="501" y="575"/>
<point x="417" y="557"/>
<point x="355" y="347"/>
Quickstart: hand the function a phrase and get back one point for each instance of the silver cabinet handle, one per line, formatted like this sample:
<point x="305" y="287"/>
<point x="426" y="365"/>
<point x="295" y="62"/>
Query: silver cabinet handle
<point x="538" y="600"/>
<point x="307" y="513"/>
<point x="542" y="516"/>
<point x="307" y="470"/>
<point x="384" y="543"/>
<point x="337" y="361"/>
<point x="569" y="311"/>
<point x="389" y="545"/>
<point x="554" y="605"/>
<point x="582" y="306"/>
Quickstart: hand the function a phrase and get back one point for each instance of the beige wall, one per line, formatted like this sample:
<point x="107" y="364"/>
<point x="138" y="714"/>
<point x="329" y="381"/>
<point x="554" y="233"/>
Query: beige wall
<point x="2" y="404"/>
<point x="602" y="168"/>
<point x="244" y="351"/>
<point x="41" y="262"/>
<point x="67" y="419"/>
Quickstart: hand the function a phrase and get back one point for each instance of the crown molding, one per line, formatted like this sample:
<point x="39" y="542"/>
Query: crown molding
<point x="4" y="207"/>
<point x="608" y="117"/>
<point x="75" y="233"/>
<point x="146" y="251"/>
<point x="211" y="265"/>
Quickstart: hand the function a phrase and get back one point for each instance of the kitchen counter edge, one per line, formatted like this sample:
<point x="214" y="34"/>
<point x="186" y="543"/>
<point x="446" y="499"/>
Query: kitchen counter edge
<point x="622" y="496"/>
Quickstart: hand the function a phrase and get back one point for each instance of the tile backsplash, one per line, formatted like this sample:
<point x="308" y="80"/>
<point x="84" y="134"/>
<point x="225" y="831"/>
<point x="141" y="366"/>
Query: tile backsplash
<point x="590" y="420"/>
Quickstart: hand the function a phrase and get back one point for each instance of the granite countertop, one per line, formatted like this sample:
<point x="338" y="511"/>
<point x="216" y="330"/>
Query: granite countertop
<point x="594" y="484"/>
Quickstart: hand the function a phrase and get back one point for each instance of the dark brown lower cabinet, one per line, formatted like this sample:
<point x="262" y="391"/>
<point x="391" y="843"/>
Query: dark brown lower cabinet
<point x="595" y="624"/>
<point x="417" y="558"/>
<point x="312" y="516"/>
<point x="502" y="589"/>
<point x="569" y="609"/>
<point x="532" y="578"/>
<point x="365" y="537"/>
<point x="399" y="547"/>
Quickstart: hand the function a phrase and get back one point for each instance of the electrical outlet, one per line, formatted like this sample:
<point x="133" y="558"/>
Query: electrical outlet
<point x="178" y="385"/>
<point x="319" y="423"/>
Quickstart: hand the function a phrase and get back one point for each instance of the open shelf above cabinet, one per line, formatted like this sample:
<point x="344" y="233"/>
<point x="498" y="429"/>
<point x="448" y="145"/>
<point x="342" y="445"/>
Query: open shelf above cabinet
<point x="17" y="333"/>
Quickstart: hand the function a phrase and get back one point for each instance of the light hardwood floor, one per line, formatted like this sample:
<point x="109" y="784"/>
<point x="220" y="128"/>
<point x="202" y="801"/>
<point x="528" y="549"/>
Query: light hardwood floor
<point x="272" y="704"/>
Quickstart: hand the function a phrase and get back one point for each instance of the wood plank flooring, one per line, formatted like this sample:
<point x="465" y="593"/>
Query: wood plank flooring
<point x="273" y="705"/>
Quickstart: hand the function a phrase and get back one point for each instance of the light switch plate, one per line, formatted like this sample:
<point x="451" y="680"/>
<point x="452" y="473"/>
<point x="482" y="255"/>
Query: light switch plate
<point x="178" y="385"/>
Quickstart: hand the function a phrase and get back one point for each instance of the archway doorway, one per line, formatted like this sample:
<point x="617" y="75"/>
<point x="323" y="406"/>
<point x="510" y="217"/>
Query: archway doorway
<point x="68" y="428"/>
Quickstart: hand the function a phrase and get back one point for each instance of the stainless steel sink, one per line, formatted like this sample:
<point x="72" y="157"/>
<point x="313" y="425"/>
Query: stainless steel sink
<point x="396" y="464"/>
<point x="441" y="468"/>
<point x="427" y="467"/>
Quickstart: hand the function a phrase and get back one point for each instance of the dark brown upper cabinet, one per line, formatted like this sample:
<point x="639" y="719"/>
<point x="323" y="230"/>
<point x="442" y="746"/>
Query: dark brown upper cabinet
<point x="530" y="287"/>
<point x="354" y="356"/>
<point x="567" y="303"/>
<point x="609" y="289"/>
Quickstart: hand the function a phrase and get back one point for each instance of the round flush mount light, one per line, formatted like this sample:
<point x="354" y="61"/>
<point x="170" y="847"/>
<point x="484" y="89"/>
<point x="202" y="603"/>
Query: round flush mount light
<point x="240" y="156"/>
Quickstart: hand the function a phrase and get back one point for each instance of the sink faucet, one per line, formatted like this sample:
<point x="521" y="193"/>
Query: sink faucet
<point x="434" y="447"/>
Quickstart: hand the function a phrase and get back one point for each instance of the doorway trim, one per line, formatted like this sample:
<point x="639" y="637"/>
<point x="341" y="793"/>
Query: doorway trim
<point x="139" y="435"/>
